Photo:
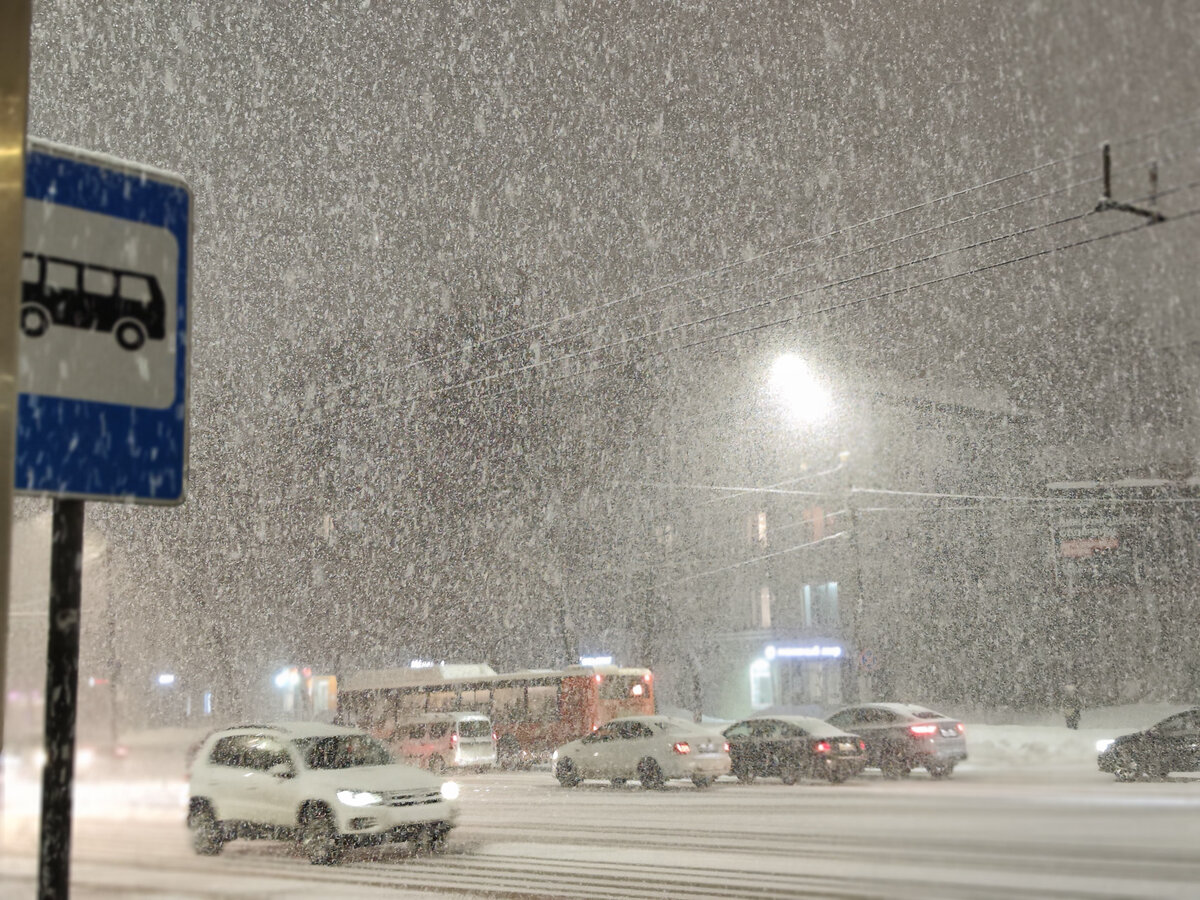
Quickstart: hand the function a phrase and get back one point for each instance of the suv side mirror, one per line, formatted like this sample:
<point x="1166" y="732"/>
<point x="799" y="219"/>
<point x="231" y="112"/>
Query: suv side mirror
<point x="281" y="770"/>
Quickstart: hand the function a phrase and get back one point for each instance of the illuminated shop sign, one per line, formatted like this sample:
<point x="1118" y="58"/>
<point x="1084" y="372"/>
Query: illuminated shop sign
<point x="815" y="651"/>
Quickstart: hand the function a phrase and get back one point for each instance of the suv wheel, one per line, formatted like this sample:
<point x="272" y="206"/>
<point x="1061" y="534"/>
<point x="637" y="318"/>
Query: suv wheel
<point x="319" y="838"/>
<point x="207" y="839"/>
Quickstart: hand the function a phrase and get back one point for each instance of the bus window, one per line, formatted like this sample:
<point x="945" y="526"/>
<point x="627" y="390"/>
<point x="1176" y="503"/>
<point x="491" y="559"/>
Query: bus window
<point x="443" y="700"/>
<point x="543" y="703"/>
<point x="479" y="700"/>
<point x="410" y="703"/>
<point x="31" y="271"/>
<point x="135" y="287"/>
<point x="509" y="705"/>
<point x="61" y="276"/>
<point x="99" y="281"/>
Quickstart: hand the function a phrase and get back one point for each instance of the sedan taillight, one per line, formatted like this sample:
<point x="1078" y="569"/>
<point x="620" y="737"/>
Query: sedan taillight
<point x="726" y="747"/>
<point x="821" y="747"/>
<point x="923" y="730"/>
<point x="681" y="747"/>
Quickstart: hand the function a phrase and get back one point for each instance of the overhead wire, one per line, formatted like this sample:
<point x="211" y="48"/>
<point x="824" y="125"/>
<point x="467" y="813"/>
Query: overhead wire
<point x="1133" y="139"/>
<point x="796" y="317"/>
<point x="539" y="364"/>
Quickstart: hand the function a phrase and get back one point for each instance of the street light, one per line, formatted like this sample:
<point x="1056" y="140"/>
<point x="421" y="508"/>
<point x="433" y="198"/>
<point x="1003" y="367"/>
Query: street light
<point x="805" y="398"/>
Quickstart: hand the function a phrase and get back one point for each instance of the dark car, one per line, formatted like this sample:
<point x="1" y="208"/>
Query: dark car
<point x="1173" y="745"/>
<point x="901" y="737"/>
<point x="791" y="747"/>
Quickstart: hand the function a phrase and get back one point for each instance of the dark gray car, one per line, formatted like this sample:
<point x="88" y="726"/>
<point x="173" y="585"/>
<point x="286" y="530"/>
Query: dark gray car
<point x="901" y="737"/>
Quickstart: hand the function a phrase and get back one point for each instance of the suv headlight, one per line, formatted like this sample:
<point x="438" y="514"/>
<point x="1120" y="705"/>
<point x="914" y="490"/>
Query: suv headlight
<point x="359" y="798"/>
<point x="450" y="790"/>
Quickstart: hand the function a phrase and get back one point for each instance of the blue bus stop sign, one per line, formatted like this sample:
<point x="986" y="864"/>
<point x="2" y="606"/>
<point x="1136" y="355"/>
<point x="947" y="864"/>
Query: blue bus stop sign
<point x="103" y="363"/>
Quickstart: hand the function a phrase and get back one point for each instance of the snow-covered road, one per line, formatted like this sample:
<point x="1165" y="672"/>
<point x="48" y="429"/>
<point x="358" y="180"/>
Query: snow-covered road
<point x="1003" y="826"/>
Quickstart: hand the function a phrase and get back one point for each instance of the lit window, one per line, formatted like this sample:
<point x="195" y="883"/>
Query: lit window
<point x="760" y="684"/>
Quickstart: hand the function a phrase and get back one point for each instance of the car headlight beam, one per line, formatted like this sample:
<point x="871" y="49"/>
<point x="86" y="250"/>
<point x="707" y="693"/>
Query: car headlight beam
<point x="359" y="798"/>
<point x="450" y="790"/>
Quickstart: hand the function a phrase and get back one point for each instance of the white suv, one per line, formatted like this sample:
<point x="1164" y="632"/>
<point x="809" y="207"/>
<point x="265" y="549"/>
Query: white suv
<point x="324" y="786"/>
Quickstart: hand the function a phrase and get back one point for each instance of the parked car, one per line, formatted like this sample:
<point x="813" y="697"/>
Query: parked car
<point x="324" y="786"/>
<point x="792" y="747"/>
<point x="901" y="737"/>
<point x="1173" y="745"/>
<point x="648" y="749"/>
<point x="438" y="741"/>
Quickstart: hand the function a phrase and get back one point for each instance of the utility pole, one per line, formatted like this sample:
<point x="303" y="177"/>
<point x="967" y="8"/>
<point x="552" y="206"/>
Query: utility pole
<point x="855" y="577"/>
<point x="1108" y="203"/>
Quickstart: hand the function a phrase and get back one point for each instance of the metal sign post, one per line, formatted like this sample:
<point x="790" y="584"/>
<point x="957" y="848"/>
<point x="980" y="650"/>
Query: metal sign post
<point x="62" y="682"/>
<point x="102" y="413"/>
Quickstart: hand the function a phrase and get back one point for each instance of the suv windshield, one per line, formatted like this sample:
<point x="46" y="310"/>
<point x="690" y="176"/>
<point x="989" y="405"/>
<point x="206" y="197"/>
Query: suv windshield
<point x="342" y="752"/>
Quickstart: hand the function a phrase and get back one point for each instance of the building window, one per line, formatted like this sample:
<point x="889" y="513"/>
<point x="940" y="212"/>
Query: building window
<point x="762" y="607"/>
<point x="758" y="527"/>
<point x="821" y="606"/>
<point x="760" y="684"/>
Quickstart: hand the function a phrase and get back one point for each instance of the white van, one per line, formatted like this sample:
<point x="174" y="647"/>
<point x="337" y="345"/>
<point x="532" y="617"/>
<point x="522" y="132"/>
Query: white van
<point x="439" y="741"/>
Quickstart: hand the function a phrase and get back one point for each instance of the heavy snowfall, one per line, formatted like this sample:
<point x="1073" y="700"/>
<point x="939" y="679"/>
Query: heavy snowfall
<point x="788" y="356"/>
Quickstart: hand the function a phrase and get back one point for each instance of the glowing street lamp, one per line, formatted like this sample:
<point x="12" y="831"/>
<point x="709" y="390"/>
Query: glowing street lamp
<point x="806" y="400"/>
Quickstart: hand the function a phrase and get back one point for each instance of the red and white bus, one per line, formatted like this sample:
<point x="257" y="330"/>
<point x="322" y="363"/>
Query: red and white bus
<point x="532" y="712"/>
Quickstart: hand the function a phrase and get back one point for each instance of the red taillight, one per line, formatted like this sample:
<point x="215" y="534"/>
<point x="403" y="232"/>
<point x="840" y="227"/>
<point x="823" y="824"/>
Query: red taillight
<point x="821" y="747"/>
<point x="646" y="677"/>
<point x="495" y="737"/>
<point x="726" y="746"/>
<point x="862" y="745"/>
<point x="681" y="747"/>
<point x="962" y="729"/>
<point x="923" y="730"/>
<point x="454" y="738"/>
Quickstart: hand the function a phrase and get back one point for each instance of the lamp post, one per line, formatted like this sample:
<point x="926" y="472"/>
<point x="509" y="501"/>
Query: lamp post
<point x="806" y="405"/>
